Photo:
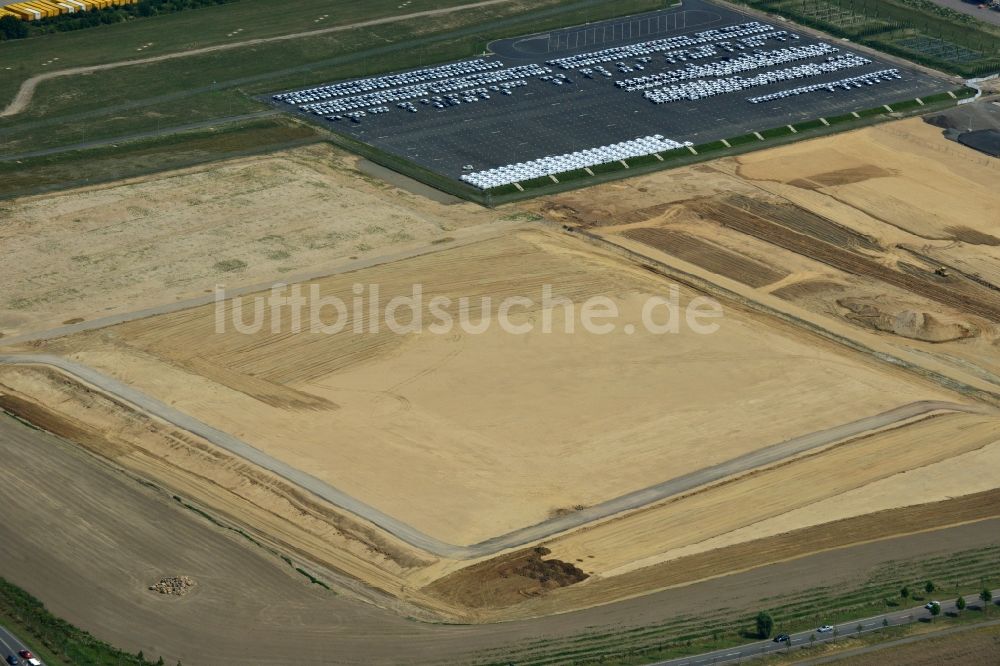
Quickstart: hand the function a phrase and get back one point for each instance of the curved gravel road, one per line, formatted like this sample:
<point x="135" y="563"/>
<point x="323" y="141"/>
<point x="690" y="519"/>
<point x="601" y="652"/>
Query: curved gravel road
<point x="516" y="538"/>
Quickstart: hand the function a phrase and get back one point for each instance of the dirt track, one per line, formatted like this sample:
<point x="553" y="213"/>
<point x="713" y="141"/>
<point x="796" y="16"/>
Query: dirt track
<point x="27" y="89"/>
<point x="748" y="216"/>
<point x="251" y="608"/>
<point x="556" y="525"/>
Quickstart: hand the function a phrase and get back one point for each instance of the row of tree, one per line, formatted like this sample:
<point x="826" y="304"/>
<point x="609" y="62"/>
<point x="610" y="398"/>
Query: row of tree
<point x="765" y="623"/>
<point x="13" y="28"/>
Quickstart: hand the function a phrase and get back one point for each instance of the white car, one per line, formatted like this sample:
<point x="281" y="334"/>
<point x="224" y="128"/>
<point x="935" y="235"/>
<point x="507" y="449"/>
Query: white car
<point x="825" y="629"/>
<point x="931" y="604"/>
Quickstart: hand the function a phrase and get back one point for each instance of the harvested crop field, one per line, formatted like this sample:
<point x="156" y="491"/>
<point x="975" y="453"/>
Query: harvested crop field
<point x="240" y="585"/>
<point x="117" y="248"/>
<point x="439" y="454"/>
<point x="849" y="391"/>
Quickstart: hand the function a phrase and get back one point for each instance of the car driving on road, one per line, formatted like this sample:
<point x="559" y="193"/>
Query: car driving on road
<point x="12" y="660"/>
<point x="782" y="638"/>
<point x="28" y="657"/>
<point x="826" y="628"/>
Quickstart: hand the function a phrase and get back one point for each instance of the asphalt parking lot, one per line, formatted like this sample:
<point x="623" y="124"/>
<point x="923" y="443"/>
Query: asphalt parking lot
<point x="541" y="118"/>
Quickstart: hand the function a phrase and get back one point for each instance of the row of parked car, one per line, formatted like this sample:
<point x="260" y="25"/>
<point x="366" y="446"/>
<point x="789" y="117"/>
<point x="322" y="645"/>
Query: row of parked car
<point x="426" y="90"/>
<point x="748" y="62"/>
<point x="729" y="34"/>
<point x="437" y="101"/>
<point x="693" y="90"/>
<point x="371" y="84"/>
<point x="832" y="86"/>
<point x="551" y="165"/>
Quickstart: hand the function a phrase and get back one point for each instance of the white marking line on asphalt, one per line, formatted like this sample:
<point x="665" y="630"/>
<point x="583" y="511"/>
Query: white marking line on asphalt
<point x="9" y="649"/>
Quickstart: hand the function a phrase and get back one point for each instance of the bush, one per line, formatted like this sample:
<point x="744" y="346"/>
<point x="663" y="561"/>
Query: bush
<point x="765" y="624"/>
<point x="904" y="105"/>
<point x="230" y="265"/>
<point x="74" y="645"/>
<point x="12" y="28"/>
<point x="775" y="132"/>
<point x="808" y="125"/>
<point x="96" y="17"/>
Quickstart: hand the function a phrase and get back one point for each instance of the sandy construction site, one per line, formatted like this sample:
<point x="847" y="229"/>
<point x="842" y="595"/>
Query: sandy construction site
<point x="850" y="392"/>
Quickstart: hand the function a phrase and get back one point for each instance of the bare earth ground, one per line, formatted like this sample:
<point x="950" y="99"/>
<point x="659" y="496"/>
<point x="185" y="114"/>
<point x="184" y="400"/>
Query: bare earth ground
<point x="240" y="586"/>
<point x="443" y="460"/>
<point x="522" y="437"/>
<point x="122" y="247"/>
<point x="467" y="436"/>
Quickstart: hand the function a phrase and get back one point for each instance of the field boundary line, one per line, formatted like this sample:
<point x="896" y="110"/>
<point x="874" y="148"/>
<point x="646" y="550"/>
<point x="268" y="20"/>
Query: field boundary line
<point x="516" y="538"/>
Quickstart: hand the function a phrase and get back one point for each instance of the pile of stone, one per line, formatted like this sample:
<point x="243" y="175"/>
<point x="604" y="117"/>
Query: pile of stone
<point x="175" y="585"/>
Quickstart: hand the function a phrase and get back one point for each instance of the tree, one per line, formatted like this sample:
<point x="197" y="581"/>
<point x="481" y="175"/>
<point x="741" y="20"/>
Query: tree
<point x="904" y="592"/>
<point x="987" y="598"/>
<point x="765" y="624"/>
<point x="159" y="662"/>
<point x="929" y="587"/>
<point x="141" y="656"/>
<point x="859" y="628"/>
<point x="960" y="603"/>
<point x="885" y="622"/>
<point x="935" y="609"/>
<point x="12" y="28"/>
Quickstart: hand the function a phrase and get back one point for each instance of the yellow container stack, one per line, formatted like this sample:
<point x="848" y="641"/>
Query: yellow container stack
<point x="33" y="10"/>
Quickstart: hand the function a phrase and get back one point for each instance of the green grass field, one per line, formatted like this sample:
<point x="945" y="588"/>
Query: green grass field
<point x="208" y="26"/>
<point x="157" y="96"/>
<point x="914" y="29"/>
<point x="98" y="165"/>
<point x="163" y="97"/>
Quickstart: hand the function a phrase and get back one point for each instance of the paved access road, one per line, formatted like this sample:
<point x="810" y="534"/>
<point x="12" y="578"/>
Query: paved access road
<point x="10" y="644"/>
<point x="802" y="639"/>
<point x="516" y="538"/>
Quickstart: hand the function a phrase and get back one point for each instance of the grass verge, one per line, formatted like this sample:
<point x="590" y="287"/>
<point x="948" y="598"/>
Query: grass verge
<point x="964" y="572"/>
<point x="56" y="641"/>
